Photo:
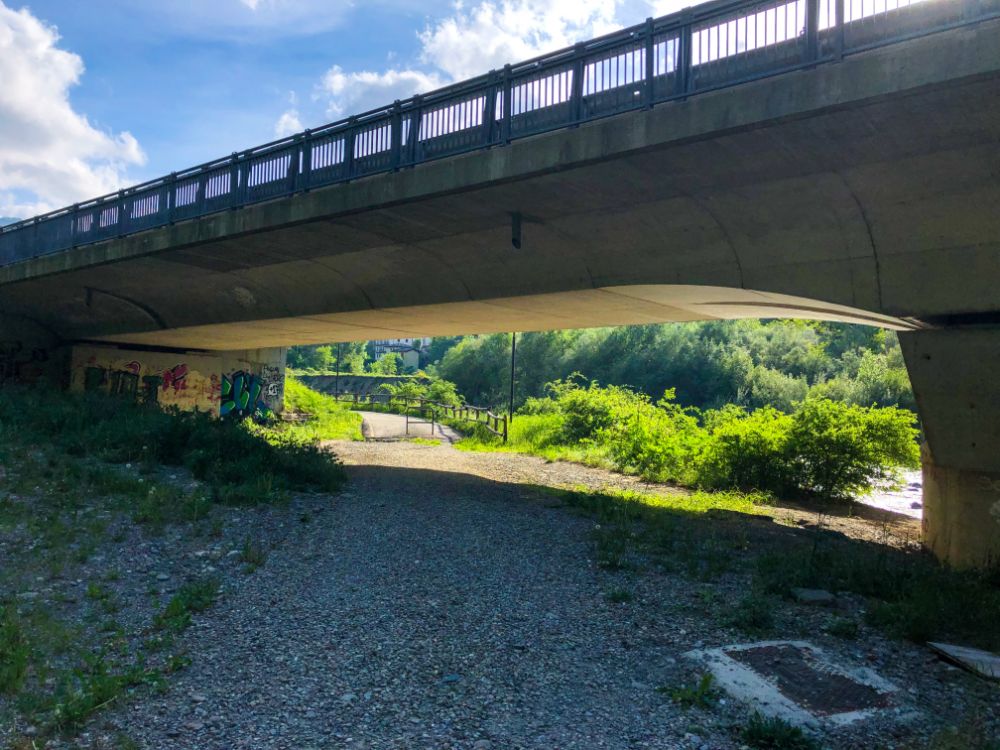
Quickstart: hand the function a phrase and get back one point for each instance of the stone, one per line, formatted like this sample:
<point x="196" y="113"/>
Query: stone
<point x="982" y="663"/>
<point x="482" y="745"/>
<point x="162" y="577"/>
<point x="818" y="597"/>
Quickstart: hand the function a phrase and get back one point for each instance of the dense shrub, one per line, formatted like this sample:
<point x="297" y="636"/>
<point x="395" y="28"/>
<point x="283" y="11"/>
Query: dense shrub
<point x="659" y="442"/>
<point x="745" y="450"/>
<point x="236" y="459"/>
<point x="823" y="448"/>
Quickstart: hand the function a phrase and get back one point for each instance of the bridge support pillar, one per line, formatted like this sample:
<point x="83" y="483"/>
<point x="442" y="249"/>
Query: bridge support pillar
<point x="956" y="380"/>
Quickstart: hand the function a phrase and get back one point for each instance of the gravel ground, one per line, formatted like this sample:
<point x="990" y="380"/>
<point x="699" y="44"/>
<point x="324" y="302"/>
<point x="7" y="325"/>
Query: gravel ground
<point x="442" y="603"/>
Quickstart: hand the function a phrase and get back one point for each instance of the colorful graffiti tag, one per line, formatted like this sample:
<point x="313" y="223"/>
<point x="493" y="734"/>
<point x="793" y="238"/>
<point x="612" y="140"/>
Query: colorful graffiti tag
<point x="176" y="378"/>
<point x="123" y="382"/>
<point x="243" y="397"/>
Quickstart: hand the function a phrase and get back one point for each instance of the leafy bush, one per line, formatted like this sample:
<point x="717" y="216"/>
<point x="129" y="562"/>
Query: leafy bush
<point x="745" y="450"/>
<point x="826" y="449"/>
<point x="659" y="442"/>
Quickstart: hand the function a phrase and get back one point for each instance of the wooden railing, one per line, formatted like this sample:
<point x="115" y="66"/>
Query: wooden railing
<point x="498" y="424"/>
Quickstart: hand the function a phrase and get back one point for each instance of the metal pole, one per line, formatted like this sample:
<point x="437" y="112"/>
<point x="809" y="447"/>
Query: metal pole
<point x="513" y="354"/>
<point x="336" y="387"/>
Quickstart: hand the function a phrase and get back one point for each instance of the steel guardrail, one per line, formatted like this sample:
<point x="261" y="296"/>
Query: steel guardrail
<point x="704" y="48"/>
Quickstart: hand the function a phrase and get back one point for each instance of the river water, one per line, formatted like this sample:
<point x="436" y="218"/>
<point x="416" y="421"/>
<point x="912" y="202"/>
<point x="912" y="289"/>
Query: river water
<point x="907" y="500"/>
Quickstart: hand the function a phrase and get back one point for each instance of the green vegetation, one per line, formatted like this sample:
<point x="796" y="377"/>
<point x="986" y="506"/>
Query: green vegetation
<point x="13" y="652"/>
<point x="253" y="555"/>
<point x="825" y="449"/>
<point x="77" y="472"/>
<point x="776" y="734"/>
<point x="195" y="596"/>
<point x="317" y="416"/>
<point x="620" y="596"/>
<point x="705" y="535"/>
<point x="239" y="462"/>
<point x="702" y="694"/>
<point x="748" y="363"/>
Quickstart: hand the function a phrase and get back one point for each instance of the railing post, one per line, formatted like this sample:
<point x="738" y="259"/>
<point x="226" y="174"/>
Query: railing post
<point x="576" y="97"/>
<point x="812" y="30"/>
<point x="352" y="132"/>
<point x="74" y="232"/>
<point x="490" y="108"/>
<point x="172" y="198"/>
<point x="415" y="120"/>
<point x="650" y="59"/>
<point x="841" y="23"/>
<point x="122" y="214"/>
<point x="505" y="123"/>
<point x="234" y="181"/>
<point x="396" y="134"/>
<point x="306" y="171"/>
<point x="685" y="56"/>
<point x="506" y="425"/>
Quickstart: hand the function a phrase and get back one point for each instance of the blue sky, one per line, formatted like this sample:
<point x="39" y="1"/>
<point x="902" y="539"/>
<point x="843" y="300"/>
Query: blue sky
<point x="106" y="93"/>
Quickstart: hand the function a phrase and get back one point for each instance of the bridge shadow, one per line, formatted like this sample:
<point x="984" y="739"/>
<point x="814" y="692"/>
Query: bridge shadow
<point x="900" y="587"/>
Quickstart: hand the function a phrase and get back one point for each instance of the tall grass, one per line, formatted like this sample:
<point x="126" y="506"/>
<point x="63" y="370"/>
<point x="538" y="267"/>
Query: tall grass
<point x="321" y="417"/>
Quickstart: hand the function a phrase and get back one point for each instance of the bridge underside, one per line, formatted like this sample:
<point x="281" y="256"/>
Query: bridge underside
<point x="586" y="308"/>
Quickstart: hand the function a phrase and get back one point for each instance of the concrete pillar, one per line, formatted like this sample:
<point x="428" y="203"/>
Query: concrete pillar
<point x="955" y="374"/>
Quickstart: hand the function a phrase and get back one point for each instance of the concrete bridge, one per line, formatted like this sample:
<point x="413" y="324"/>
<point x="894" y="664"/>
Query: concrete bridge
<point x="826" y="159"/>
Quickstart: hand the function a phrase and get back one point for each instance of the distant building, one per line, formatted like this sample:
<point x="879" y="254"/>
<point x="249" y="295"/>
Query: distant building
<point x="415" y="347"/>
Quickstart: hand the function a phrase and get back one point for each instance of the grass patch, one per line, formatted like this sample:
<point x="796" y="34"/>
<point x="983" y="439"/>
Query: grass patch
<point x="841" y="628"/>
<point x="702" y="694"/>
<point x="764" y="733"/>
<point x="14" y="652"/>
<point x="754" y="614"/>
<point x="196" y="596"/>
<point x="318" y="416"/>
<point x="253" y="555"/>
<point x="620" y="596"/>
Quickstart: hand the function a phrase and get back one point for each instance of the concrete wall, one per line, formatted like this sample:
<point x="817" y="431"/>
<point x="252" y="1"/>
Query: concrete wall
<point x="359" y="384"/>
<point x="246" y="383"/>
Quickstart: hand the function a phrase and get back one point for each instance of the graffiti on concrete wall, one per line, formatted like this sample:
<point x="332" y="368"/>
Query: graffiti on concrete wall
<point x="176" y="378"/>
<point x="243" y="396"/>
<point x="21" y="363"/>
<point x="126" y="380"/>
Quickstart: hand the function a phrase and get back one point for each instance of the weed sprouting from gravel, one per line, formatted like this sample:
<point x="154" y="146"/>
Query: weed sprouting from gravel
<point x="842" y="628"/>
<point x="763" y="733"/>
<point x="14" y="650"/>
<point x="620" y="596"/>
<point x="196" y="596"/>
<point x="253" y="555"/>
<point x="754" y="614"/>
<point x="702" y="694"/>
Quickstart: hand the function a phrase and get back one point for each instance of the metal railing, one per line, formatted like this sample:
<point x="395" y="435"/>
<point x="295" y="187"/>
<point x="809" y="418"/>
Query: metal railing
<point x="711" y="46"/>
<point x="476" y="415"/>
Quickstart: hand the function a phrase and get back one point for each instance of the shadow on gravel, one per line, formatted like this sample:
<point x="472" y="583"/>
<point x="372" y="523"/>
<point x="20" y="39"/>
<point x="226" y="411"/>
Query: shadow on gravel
<point x="909" y="594"/>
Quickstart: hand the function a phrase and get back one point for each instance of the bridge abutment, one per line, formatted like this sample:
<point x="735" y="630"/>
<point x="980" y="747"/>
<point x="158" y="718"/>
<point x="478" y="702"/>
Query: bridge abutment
<point x="955" y="379"/>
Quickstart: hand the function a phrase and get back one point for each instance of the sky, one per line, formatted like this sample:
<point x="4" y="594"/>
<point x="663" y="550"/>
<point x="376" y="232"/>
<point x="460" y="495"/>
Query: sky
<point x="102" y="94"/>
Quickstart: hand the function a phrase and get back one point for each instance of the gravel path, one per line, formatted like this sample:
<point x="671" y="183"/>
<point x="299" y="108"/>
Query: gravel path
<point x="380" y="426"/>
<point x="433" y="606"/>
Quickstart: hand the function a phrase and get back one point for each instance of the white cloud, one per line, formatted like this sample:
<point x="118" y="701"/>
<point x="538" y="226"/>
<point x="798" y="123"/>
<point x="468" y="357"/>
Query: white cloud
<point x="50" y="155"/>
<point x="354" y="93"/>
<point x="251" y="4"/>
<point x="476" y="38"/>
<point x="288" y="124"/>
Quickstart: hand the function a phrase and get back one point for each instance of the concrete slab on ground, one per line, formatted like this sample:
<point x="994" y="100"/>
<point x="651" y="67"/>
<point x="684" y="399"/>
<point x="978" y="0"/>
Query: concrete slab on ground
<point x="796" y="681"/>
<point x="982" y="663"/>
